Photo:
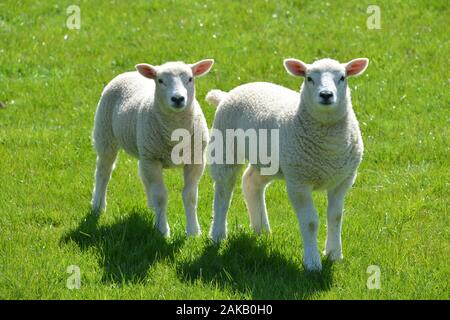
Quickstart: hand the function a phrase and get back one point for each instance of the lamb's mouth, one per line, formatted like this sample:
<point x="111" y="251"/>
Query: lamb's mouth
<point x="178" y="106"/>
<point x="326" y="103"/>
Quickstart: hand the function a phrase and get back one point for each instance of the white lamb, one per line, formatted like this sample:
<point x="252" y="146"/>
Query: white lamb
<point x="138" y="112"/>
<point x="320" y="148"/>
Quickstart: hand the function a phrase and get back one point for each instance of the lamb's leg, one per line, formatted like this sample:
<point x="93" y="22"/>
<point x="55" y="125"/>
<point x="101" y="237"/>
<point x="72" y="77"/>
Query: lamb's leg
<point x="253" y="186"/>
<point x="105" y="166"/>
<point x="151" y="173"/>
<point x="333" y="246"/>
<point x="301" y="199"/>
<point x="192" y="175"/>
<point x="225" y="179"/>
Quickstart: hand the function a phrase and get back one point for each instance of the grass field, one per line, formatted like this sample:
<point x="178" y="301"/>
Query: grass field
<point x="396" y="215"/>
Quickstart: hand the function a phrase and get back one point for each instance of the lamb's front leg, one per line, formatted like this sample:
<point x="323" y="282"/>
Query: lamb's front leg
<point x="333" y="246"/>
<point x="151" y="173"/>
<point x="301" y="199"/>
<point x="192" y="175"/>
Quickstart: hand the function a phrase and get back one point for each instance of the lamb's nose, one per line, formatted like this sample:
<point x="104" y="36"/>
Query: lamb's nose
<point x="177" y="99"/>
<point x="326" y="95"/>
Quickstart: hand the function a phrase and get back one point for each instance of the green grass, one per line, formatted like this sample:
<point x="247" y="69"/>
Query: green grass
<point x="51" y="79"/>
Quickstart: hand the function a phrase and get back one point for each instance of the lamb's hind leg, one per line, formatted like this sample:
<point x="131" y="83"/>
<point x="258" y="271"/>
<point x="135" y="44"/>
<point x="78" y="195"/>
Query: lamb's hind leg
<point x="253" y="186"/>
<point x="105" y="166"/>
<point x="224" y="176"/>
<point x="151" y="173"/>
<point x="107" y="148"/>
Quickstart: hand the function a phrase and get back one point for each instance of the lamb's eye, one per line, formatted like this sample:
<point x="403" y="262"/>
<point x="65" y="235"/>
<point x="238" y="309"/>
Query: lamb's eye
<point x="160" y="81"/>
<point x="342" y="78"/>
<point x="309" y="79"/>
<point x="190" y="79"/>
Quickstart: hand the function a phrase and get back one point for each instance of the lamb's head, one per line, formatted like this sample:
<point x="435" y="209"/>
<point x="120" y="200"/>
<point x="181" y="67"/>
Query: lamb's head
<point x="325" y="89"/>
<point x="174" y="82"/>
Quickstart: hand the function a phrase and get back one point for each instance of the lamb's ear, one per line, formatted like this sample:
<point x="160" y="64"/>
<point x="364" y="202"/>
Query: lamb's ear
<point x="295" y="67"/>
<point x="146" y="70"/>
<point x="356" y="66"/>
<point x="202" y="67"/>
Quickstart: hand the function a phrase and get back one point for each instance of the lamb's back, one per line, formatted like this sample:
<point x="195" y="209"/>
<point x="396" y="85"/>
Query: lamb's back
<point x="256" y="105"/>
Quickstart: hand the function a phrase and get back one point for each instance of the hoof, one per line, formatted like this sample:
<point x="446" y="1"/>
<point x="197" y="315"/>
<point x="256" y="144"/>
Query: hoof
<point x="193" y="232"/>
<point x="333" y="255"/>
<point x="217" y="237"/>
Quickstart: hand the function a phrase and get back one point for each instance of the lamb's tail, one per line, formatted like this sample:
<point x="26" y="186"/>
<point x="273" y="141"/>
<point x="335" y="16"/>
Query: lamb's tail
<point x="214" y="97"/>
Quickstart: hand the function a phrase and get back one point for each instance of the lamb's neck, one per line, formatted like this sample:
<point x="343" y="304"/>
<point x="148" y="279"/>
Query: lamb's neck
<point x="170" y="120"/>
<point x="327" y="125"/>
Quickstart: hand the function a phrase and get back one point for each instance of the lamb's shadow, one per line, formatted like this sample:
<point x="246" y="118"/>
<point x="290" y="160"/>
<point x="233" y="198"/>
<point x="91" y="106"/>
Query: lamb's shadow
<point x="255" y="269"/>
<point x="127" y="248"/>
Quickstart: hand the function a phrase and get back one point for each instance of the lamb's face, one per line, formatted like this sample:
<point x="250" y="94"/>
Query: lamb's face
<point x="325" y="88"/>
<point x="326" y="84"/>
<point x="175" y="86"/>
<point x="174" y="82"/>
